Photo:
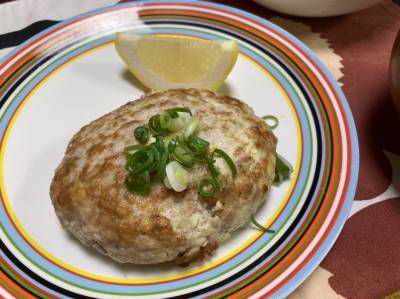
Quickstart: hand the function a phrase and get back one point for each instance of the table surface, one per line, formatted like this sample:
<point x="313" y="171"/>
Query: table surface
<point x="365" y="261"/>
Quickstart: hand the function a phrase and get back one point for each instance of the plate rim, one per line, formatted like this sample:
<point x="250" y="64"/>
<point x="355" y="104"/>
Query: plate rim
<point x="353" y="176"/>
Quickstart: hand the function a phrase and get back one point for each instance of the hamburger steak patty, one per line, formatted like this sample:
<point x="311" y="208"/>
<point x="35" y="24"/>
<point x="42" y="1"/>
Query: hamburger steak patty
<point x="92" y="202"/>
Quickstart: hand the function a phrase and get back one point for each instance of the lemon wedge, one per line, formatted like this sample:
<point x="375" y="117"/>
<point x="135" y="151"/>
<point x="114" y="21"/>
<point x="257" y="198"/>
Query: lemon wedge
<point x="166" y="62"/>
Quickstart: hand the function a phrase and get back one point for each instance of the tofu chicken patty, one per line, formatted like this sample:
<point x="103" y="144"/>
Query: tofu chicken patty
<point x="93" y="203"/>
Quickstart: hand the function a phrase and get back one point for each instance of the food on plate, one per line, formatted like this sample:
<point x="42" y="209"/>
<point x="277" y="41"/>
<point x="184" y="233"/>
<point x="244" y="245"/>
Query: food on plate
<point x="175" y="150"/>
<point x="168" y="62"/>
<point x="97" y="201"/>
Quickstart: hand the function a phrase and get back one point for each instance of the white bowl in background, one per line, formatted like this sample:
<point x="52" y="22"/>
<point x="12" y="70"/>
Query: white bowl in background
<point x="317" y="8"/>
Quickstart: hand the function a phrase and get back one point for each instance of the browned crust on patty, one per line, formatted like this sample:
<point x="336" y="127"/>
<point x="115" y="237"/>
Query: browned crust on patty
<point x="184" y="259"/>
<point x="92" y="202"/>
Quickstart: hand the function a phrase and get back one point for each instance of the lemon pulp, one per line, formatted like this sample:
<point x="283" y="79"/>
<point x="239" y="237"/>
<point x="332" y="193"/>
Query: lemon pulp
<point x="165" y="62"/>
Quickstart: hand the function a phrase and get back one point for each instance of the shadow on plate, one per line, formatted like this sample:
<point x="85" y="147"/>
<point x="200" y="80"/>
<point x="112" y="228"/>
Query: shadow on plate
<point x="129" y="77"/>
<point x="126" y="75"/>
<point x="225" y="90"/>
<point x="122" y="268"/>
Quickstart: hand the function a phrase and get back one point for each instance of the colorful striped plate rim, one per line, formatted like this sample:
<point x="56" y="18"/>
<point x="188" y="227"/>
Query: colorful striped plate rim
<point x="316" y="202"/>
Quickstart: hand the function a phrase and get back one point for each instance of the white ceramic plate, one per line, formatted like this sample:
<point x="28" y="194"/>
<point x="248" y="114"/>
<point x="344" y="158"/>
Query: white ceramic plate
<point x="70" y="74"/>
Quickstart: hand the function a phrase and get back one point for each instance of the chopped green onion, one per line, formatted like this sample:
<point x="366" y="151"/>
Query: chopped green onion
<point x="180" y="139"/>
<point x="183" y="156"/>
<point x="130" y="150"/>
<point x="176" y="124"/>
<point x="167" y="183"/>
<point x="173" y="114"/>
<point x="179" y="109"/>
<point x="177" y="139"/>
<point x="172" y="144"/>
<point x="180" y="152"/>
<point x="167" y="155"/>
<point x="165" y="120"/>
<point x="228" y="160"/>
<point x="260" y="227"/>
<point x="179" y="120"/>
<point x="272" y="121"/>
<point x="283" y="169"/>
<point x="169" y="138"/>
<point x="138" y="184"/>
<point x="142" y="134"/>
<point x="162" y="164"/>
<point x="193" y="126"/>
<point x="178" y="177"/>
<point x="157" y="156"/>
<point x="182" y="176"/>
<point x="142" y="160"/>
<point x="155" y="124"/>
<point x="208" y="186"/>
<point x="198" y="145"/>
<point x="211" y="166"/>
<point x="159" y="143"/>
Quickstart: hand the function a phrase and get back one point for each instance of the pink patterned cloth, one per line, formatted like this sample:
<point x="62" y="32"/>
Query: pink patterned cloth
<point x="365" y="261"/>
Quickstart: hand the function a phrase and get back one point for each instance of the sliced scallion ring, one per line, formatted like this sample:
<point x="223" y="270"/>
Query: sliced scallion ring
<point x="157" y="156"/>
<point x="167" y="183"/>
<point x="176" y="124"/>
<point x="283" y="170"/>
<point x="165" y="120"/>
<point x="130" y="150"/>
<point x="192" y="128"/>
<point x="142" y="160"/>
<point x="155" y="124"/>
<point x="162" y="164"/>
<point x="198" y="145"/>
<point x="259" y="226"/>
<point x="211" y="167"/>
<point x="159" y="143"/>
<point x="180" y="139"/>
<point x="172" y="144"/>
<point x="183" y="156"/>
<point x="142" y="134"/>
<point x="178" y="177"/>
<point x="169" y="138"/>
<point x="208" y="186"/>
<point x="228" y="160"/>
<point x="180" y="109"/>
<point x="272" y="121"/>
<point x="138" y="184"/>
